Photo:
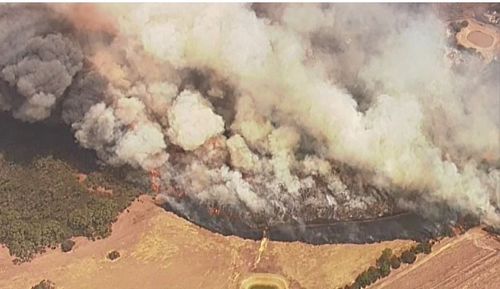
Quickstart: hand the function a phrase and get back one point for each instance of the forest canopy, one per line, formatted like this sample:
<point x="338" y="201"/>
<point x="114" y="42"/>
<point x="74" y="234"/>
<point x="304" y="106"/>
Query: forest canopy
<point x="44" y="203"/>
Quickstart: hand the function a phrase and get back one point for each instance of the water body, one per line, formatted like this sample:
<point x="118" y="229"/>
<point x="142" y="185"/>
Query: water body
<point x="480" y="39"/>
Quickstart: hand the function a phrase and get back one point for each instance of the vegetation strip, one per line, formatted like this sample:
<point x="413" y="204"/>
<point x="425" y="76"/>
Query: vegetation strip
<point x="386" y="262"/>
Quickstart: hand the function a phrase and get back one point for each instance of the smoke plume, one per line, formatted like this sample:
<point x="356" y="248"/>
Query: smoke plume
<point x="273" y="108"/>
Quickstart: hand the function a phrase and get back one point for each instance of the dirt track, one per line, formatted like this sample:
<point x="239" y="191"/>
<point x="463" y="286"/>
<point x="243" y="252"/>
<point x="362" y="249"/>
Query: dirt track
<point x="160" y="250"/>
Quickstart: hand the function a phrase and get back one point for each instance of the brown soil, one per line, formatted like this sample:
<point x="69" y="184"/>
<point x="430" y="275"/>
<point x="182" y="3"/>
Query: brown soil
<point x="470" y="261"/>
<point x="160" y="250"/>
<point x="480" y="39"/>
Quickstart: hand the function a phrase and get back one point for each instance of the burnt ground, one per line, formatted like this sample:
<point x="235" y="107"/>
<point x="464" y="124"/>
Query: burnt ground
<point x="22" y="142"/>
<point x="406" y="225"/>
<point x="159" y="249"/>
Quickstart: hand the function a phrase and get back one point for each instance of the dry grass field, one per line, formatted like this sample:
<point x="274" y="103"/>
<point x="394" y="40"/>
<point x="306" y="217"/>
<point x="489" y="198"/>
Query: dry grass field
<point x="470" y="261"/>
<point x="162" y="251"/>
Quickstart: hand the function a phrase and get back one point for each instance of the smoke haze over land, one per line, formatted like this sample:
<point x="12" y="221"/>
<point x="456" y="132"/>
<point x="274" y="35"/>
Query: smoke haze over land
<point x="262" y="106"/>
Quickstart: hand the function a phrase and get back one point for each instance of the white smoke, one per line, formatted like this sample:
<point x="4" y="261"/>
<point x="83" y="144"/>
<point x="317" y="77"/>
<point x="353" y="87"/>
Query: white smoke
<point x="192" y="121"/>
<point x="242" y="158"/>
<point x="295" y="88"/>
<point x="292" y="80"/>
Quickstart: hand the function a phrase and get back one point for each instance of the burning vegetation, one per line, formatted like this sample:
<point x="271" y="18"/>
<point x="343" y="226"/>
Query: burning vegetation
<point x="252" y="117"/>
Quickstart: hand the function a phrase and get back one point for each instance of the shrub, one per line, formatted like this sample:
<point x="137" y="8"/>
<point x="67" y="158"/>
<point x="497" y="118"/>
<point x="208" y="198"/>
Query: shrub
<point x="385" y="269"/>
<point x="385" y="257"/>
<point x="362" y="280"/>
<point x="367" y="277"/>
<point x="395" y="262"/>
<point x="373" y="274"/>
<point x="384" y="262"/>
<point x="418" y="249"/>
<point x="408" y="257"/>
<point x="67" y="245"/>
<point x="44" y="284"/>
<point x="427" y="248"/>
<point x="113" y="255"/>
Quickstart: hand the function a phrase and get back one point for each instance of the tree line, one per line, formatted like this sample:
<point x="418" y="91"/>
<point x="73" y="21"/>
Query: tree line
<point x="387" y="261"/>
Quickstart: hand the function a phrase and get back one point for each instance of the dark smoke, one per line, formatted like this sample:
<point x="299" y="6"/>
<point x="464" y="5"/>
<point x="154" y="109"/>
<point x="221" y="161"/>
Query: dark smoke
<point x="273" y="114"/>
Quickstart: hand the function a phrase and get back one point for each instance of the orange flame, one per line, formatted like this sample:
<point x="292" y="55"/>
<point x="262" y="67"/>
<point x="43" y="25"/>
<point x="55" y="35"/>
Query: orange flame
<point x="179" y="194"/>
<point x="154" y="176"/>
<point x="214" y="212"/>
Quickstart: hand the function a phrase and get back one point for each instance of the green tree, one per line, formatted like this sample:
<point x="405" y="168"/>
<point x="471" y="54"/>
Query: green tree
<point x="408" y="257"/>
<point x="427" y="247"/>
<point x="385" y="257"/>
<point x="67" y="245"/>
<point x="385" y="269"/>
<point x="42" y="204"/>
<point x="395" y="262"/>
<point x="113" y="255"/>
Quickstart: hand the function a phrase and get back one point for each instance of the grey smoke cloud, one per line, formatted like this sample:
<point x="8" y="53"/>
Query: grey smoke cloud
<point x="87" y="89"/>
<point x="37" y="62"/>
<point x="294" y="94"/>
<point x="42" y="74"/>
